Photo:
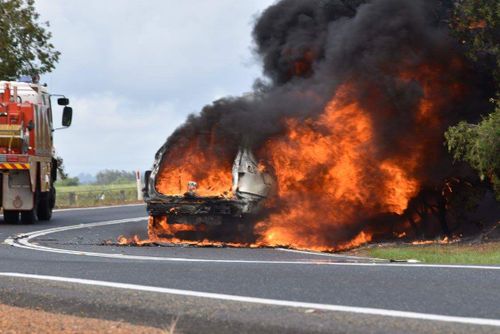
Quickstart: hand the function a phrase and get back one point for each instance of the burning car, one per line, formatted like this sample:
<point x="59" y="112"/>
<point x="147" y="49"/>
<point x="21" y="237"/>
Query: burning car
<point x="226" y="212"/>
<point x="349" y="125"/>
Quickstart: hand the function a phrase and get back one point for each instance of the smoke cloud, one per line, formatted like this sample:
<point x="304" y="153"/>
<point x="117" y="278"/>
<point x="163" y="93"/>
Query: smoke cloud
<point x="395" y="59"/>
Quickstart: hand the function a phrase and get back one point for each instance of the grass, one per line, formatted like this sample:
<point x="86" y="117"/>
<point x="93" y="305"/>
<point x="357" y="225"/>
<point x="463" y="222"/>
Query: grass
<point x="460" y="253"/>
<point x="94" y="187"/>
<point x="95" y="195"/>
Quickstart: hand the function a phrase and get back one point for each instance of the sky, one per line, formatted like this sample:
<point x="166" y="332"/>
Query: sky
<point x="134" y="70"/>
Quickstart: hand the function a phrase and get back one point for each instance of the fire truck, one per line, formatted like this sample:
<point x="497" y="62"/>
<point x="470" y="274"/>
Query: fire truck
<point x="27" y="156"/>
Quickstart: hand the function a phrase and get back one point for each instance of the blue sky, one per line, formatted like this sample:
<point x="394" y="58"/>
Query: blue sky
<point x="134" y="70"/>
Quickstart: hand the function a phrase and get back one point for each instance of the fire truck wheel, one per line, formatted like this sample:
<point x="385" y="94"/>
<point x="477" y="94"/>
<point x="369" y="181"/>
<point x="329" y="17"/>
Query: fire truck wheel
<point x="11" y="216"/>
<point x="44" y="208"/>
<point x="28" y="217"/>
<point x="52" y="200"/>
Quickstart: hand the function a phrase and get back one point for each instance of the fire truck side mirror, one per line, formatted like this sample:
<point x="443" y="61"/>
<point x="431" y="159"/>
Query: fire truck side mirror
<point x="67" y="116"/>
<point x="63" y="101"/>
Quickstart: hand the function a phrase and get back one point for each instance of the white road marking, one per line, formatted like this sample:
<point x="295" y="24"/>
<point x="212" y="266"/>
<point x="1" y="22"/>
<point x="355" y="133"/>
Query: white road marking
<point x="23" y="241"/>
<point x="266" y="301"/>
<point x="100" y="207"/>
<point x="329" y="254"/>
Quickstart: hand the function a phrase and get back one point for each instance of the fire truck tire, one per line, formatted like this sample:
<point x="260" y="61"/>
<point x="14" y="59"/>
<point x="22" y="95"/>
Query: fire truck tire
<point x="28" y="217"/>
<point x="11" y="216"/>
<point x="44" y="208"/>
<point x="52" y="200"/>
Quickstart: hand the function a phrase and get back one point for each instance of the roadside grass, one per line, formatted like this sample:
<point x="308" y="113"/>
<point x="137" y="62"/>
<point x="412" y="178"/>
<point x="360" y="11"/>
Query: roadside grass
<point x="459" y="253"/>
<point x="95" y="195"/>
<point x="94" y="187"/>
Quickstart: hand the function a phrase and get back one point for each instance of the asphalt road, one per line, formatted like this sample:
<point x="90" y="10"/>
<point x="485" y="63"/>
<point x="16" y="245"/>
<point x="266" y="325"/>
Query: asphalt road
<point x="67" y="267"/>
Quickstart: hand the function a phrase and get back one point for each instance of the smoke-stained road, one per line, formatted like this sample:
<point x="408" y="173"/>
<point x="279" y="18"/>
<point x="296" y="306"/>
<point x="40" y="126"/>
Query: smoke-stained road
<point x="66" y="268"/>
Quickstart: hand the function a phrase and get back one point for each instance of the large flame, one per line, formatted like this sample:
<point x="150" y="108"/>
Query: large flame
<point x="332" y="180"/>
<point x="329" y="178"/>
<point x="350" y="124"/>
<point x="328" y="174"/>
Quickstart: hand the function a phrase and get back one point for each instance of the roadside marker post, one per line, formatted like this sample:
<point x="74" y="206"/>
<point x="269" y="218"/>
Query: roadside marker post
<point x="139" y="185"/>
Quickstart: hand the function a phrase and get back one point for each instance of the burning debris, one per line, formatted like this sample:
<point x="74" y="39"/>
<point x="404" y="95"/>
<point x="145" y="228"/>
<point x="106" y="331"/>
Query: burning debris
<point x="341" y="145"/>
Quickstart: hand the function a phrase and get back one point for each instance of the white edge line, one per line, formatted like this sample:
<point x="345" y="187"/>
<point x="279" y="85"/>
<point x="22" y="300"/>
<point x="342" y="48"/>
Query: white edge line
<point x="100" y="207"/>
<point x="299" y="251"/>
<point x="266" y="301"/>
<point x="23" y="241"/>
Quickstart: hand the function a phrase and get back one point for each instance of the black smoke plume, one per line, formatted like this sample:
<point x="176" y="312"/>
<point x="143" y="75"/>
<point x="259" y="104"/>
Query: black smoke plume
<point x="309" y="48"/>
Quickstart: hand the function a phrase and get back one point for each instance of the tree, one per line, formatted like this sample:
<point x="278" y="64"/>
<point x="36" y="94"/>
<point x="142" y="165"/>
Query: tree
<point x="476" y="23"/>
<point x="69" y="181"/>
<point x="479" y="146"/>
<point x="111" y="176"/>
<point x="60" y="168"/>
<point x="25" y="47"/>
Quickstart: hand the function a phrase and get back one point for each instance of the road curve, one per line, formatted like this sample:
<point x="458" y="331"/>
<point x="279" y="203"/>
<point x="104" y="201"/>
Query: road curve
<point x="65" y="266"/>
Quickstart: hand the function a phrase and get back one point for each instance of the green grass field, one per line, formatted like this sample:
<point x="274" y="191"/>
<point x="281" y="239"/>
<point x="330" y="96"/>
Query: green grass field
<point x="485" y="253"/>
<point x="94" y="187"/>
<point x="95" y="195"/>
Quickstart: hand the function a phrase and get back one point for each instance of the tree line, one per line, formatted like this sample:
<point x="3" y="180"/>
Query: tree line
<point x="104" y="177"/>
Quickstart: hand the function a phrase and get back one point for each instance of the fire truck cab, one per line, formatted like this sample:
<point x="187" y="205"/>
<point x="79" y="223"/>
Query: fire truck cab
<point x="28" y="164"/>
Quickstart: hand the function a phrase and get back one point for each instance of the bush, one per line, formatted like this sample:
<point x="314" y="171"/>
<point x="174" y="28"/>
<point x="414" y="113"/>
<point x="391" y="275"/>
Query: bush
<point x="69" y="181"/>
<point x="479" y="146"/>
<point x="112" y="176"/>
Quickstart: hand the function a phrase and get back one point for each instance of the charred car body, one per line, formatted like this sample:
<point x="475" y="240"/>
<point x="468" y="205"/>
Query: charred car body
<point x="251" y="186"/>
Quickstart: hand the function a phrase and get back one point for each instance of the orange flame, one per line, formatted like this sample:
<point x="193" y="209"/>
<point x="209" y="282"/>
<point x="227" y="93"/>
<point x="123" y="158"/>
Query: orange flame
<point x="194" y="164"/>
<point x="480" y="24"/>
<point x="331" y="177"/>
<point x="327" y="171"/>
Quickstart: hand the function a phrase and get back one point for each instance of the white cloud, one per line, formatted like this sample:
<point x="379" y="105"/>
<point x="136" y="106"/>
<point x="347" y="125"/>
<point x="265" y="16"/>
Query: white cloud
<point x="107" y="133"/>
<point x="134" y="70"/>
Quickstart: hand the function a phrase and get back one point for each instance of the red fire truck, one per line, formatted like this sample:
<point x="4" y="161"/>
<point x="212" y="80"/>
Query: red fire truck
<point x="27" y="156"/>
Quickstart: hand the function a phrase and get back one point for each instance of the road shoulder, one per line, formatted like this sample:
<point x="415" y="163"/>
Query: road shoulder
<point x="25" y="320"/>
